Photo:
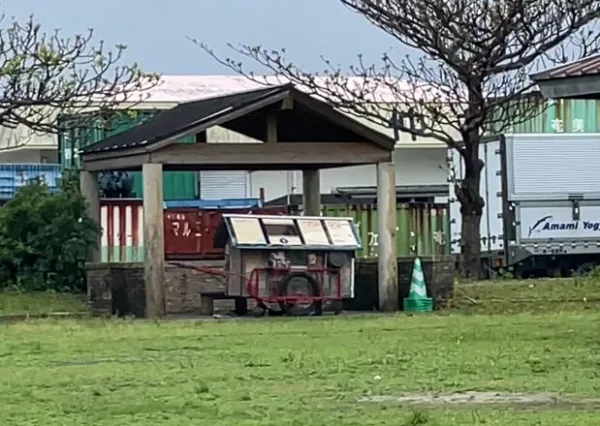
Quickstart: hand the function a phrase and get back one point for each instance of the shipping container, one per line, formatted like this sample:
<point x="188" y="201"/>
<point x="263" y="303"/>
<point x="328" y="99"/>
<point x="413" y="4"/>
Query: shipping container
<point x="176" y="185"/>
<point x="421" y="228"/>
<point x="14" y="176"/>
<point x="563" y="116"/>
<point x="229" y="203"/>
<point x="122" y="237"/>
<point x="188" y="232"/>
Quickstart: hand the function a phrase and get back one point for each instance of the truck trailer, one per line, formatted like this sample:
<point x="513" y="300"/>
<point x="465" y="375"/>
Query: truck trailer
<point x="542" y="203"/>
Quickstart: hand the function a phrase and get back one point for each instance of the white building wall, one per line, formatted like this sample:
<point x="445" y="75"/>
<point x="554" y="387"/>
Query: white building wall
<point x="29" y="156"/>
<point x="405" y="139"/>
<point x="22" y="145"/>
<point x="414" y="166"/>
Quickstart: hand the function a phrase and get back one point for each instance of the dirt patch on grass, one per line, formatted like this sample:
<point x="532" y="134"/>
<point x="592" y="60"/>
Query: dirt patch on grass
<point x="522" y="400"/>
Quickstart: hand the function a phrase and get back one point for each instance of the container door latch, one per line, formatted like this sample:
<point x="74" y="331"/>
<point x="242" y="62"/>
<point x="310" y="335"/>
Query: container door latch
<point x="576" y="210"/>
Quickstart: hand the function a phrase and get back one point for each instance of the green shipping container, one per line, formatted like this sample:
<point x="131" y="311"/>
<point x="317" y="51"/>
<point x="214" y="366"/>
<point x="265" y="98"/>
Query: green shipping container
<point x="176" y="185"/>
<point x="564" y="116"/>
<point x="421" y="229"/>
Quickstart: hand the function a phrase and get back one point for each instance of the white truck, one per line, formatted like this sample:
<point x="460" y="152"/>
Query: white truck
<point x="542" y="194"/>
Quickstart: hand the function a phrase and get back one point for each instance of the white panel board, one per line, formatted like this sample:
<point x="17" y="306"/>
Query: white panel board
<point x="556" y="223"/>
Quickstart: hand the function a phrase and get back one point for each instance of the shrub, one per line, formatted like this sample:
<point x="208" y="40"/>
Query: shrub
<point x="116" y="185"/>
<point x="45" y="238"/>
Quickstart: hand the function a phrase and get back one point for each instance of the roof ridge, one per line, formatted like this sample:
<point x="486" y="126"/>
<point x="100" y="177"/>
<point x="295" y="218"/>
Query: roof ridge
<point x="547" y="73"/>
<point x="266" y="89"/>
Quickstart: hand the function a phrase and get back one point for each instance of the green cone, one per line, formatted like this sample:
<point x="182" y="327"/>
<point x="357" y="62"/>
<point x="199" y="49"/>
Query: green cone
<point x="417" y="300"/>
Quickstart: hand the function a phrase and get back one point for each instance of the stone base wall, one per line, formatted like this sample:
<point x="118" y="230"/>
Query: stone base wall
<point x="118" y="288"/>
<point x="439" y="278"/>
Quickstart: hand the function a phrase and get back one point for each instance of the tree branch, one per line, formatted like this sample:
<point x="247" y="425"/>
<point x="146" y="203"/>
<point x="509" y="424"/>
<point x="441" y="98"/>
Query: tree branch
<point x="473" y="77"/>
<point x="43" y="76"/>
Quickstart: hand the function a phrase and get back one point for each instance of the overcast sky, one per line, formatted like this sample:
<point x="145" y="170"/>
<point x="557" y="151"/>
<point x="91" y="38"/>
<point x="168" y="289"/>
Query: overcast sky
<point x="155" y="30"/>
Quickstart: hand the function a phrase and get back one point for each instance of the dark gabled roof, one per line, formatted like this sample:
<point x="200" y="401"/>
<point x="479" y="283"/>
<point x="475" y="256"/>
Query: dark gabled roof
<point x="170" y="122"/>
<point x="201" y="114"/>
<point x="589" y="66"/>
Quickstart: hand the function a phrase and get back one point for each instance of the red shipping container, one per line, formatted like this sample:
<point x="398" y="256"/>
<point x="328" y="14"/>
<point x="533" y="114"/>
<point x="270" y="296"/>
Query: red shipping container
<point x="183" y="233"/>
<point x="189" y="233"/>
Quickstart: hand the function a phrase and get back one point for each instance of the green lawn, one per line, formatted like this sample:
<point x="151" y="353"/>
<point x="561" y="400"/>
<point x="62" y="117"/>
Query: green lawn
<point x="310" y="371"/>
<point x="18" y="303"/>
<point x="539" y="296"/>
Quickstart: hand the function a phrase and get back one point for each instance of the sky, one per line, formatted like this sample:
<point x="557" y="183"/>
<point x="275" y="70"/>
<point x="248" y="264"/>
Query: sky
<point x="155" y="31"/>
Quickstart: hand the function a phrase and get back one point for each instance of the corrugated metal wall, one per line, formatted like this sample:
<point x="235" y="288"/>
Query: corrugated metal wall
<point x="421" y="229"/>
<point x="122" y="237"/>
<point x="222" y="184"/>
<point x="553" y="166"/>
<point x="564" y="116"/>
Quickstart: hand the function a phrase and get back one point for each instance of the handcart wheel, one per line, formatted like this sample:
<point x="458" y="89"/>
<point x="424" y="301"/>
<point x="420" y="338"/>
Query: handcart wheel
<point x="338" y="307"/>
<point x="299" y="284"/>
<point x="270" y="309"/>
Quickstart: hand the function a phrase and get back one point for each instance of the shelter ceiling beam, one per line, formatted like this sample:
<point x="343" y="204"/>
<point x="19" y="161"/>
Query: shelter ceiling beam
<point x="255" y="155"/>
<point x="129" y="162"/>
<point x="244" y="156"/>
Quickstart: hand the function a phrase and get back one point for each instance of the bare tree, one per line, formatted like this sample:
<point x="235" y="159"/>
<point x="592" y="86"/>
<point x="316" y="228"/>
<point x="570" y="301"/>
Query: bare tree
<point x="472" y="79"/>
<point x="45" y="76"/>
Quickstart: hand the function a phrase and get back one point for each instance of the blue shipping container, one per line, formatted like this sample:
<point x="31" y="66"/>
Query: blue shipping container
<point x="237" y="203"/>
<point x="14" y="176"/>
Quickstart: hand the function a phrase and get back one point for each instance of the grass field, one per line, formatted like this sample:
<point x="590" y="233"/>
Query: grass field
<point x="18" y="303"/>
<point x="314" y="371"/>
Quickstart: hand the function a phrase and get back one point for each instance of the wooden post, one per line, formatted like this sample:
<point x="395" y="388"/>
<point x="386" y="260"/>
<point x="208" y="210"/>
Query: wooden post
<point x="271" y="128"/>
<point x="88" y="184"/>
<point x="154" y="245"/>
<point x="311" y="192"/>
<point x="387" y="259"/>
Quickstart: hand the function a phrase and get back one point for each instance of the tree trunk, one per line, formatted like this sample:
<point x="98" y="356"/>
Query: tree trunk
<point x="470" y="259"/>
<point x="471" y="209"/>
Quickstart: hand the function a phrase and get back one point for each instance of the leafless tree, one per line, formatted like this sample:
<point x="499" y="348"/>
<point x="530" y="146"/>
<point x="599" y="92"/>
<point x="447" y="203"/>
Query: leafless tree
<point x="471" y="80"/>
<point x="45" y="76"/>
